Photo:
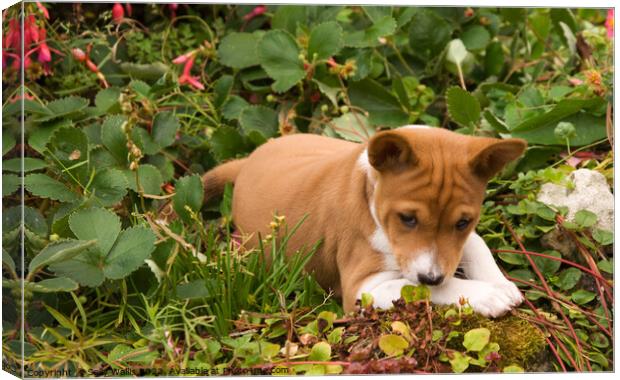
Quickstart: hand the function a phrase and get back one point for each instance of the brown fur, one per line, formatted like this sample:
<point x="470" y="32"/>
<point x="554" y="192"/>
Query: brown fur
<point x="439" y="175"/>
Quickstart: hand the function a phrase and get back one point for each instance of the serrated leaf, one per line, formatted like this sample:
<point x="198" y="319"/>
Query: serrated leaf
<point x="150" y="179"/>
<point x="393" y="345"/>
<point x="259" y="123"/>
<point x="39" y="137"/>
<point x="65" y="107"/>
<point x="321" y="352"/>
<point x="52" y="285"/>
<point x="330" y="92"/>
<point x="59" y="251"/>
<point x="107" y="100"/>
<point x="44" y="186"/>
<point x="114" y="138"/>
<point x="476" y="339"/>
<point x="232" y="108"/>
<point x="8" y="142"/>
<point x="84" y="269"/>
<point x="278" y="54"/>
<point x="30" y="164"/>
<point x="463" y="107"/>
<point x="96" y="224"/>
<point x="109" y="186"/>
<point x="238" y="50"/>
<point x="141" y="88"/>
<point x="132" y="247"/>
<point x="383" y="108"/>
<point x="10" y="184"/>
<point x="353" y="127"/>
<point x="326" y="40"/>
<point x="226" y="142"/>
<point x="165" y="126"/>
<point x="189" y="191"/>
<point x="143" y="139"/>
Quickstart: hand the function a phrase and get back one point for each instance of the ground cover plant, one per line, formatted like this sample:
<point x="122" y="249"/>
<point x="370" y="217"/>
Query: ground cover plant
<point x="126" y="105"/>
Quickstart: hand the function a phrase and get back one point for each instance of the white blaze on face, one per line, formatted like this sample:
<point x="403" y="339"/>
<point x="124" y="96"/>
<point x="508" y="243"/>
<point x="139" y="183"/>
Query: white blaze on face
<point x="425" y="263"/>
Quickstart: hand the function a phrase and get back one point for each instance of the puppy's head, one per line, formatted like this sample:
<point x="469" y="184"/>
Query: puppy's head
<point x="430" y="185"/>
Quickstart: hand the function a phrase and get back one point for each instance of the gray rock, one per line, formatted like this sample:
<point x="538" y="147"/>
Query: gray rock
<point x="591" y="193"/>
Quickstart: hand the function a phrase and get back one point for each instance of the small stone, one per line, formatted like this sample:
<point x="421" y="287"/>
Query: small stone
<point x="591" y="192"/>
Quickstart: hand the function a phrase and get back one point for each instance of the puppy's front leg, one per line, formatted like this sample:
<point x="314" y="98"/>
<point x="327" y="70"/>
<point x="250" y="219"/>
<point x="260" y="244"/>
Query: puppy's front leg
<point x="478" y="264"/>
<point x="484" y="297"/>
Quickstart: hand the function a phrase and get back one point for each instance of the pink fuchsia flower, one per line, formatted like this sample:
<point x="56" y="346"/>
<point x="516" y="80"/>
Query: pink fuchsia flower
<point x="187" y="77"/>
<point x="183" y="57"/>
<point x="78" y="54"/>
<point x="31" y="30"/>
<point x="609" y="23"/>
<point x="13" y="36"/>
<point x="128" y="8"/>
<point x="257" y="11"/>
<point x="117" y="13"/>
<point x="43" y="10"/>
<point x="173" y="9"/>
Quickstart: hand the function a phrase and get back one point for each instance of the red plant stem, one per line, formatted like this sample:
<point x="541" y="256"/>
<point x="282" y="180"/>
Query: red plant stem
<point x="587" y="314"/>
<point x="580" y="267"/>
<point x="547" y="289"/>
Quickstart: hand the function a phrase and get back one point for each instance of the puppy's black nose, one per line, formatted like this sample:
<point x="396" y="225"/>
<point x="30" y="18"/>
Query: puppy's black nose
<point x="430" y="278"/>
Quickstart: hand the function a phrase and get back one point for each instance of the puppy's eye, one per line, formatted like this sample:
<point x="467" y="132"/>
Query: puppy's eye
<point x="462" y="224"/>
<point x="408" y="220"/>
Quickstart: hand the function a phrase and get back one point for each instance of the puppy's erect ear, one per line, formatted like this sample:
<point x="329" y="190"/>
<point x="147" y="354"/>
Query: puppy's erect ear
<point x="489" y="155"/>
<point x="389" y="151"/>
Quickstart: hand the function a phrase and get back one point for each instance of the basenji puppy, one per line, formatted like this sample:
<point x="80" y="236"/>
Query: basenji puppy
<point x="400" y="209"/>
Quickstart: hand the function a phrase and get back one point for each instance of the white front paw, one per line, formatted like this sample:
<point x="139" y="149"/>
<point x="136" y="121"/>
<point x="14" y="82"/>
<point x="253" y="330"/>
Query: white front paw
<point x="512" y="291"/>
<point x="493" y="300"/>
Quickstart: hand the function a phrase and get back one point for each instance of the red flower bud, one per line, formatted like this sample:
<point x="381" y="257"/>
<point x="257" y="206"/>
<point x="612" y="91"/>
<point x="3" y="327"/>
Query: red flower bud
<point x="78" y="54"/>
<point x="117" y="13"/>
<point x="91" y="66"/>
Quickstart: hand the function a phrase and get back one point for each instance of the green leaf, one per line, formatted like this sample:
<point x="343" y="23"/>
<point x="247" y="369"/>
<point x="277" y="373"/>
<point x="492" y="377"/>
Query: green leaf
<point x="540" y="23"/>
<point x="563" y="109"/>
<point x="238" y="50"/>
<point x="69" y="146"/>
<point x="392" y="344"/>
<point x="114" y="138"/>
<point x="367" y="300"/>
<point x="43" y="186"/>
<point x="476" y="37"/>
<point x="59" y="251"/>
<point x="513" y="368"/>
<point x="52" y="285"/>
<point x="97" y="224"/>
<point x="568" y="278"/>
<point x="545" y="265"/>
<point x="107" y="100"/>
<point x="259" y="123"/>
<point x="459" y="362"/>
<point x="226" y="142"/>
<point x="582" y="296"/>
<point x="8" y="260"/>
<point x="585" y="218"/>
<point x="588" y="128"/>
<point x="132" y="247"/>
<point x="335" y="336"/>
<point x="122" y="353"/>
<point x="330" y="92"/>
<point x="144" y="140"/>
<point x="39" y="137"/>
<point x="411" y="293"/>
<point x="109" y="186"/>
<point x="606" y="266"/>
<point x="148" y="72"/>
<point x="428" y="33"/>
<point x="383" y="108"/>
<point x="193" y="289"/>
<point x="352" y="126"/>
<point x="321" y="352"/>
<point x="65" y="107"/>
<point x="84" y="268"/>
<point x="150" y="179"/>
<point x="603" y="237"/>
<point x="369" y="37"/>
<point x="326" y="40"/>
<point x="232" y="108"/>
<point x="494" y="59"/>
<point x="189" y="192"/>
<point x="463" y="108"/>
<point x="279" y="55"/>
<point x="30" y="164"/>
<point x="10" y="184"/>
<point x="287" y="17"/>
<point x="165" y="126"/>
<point x="599" y="340"/>
<point x="8" y="142"/>
<point x="222" y="88"/>
<point x="476" y="339"/>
